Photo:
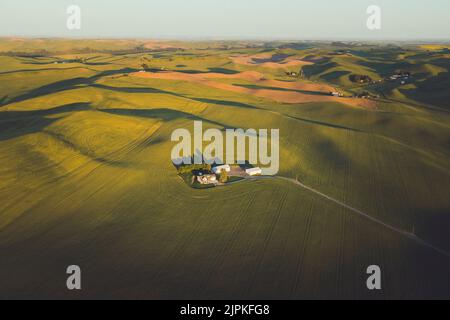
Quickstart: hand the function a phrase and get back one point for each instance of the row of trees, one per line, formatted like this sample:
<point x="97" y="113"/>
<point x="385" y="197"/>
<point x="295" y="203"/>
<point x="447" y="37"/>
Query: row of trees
<point x="189" y="168"/>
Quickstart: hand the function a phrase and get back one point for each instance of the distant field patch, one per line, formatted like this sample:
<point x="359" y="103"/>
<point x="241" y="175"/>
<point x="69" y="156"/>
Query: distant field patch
<point x="296" y="92"/>
<point x="268" y="61"/>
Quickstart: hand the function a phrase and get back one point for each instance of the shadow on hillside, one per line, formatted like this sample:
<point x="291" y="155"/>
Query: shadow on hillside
<point x="131" y="89"/>
<point x="378" y="54"/>
<point x="335" y="75"/>
<point x="89" y="153"/>
<point x="226" y="103"/>
<point x="163" y="114"/>
<point x="14" y="124"/>
<point x="66" y="85"/>
<point x="325" y="124"/>
<point x="433" y="225"/>
<point x="18" y="123"/>
<point x="319" y="67"/>
<point x="96" y="63"/>
<point x="67" y="62"/>
<point x="256" y="87"/>
<point x="387" y="68"/>
<point x="75" y="83"/>
<point x="39" y="70"/>
<point x="277" y="58"/>
<point x="328" y="152"/>
<point x="223" y="71"/>
<point x="210" y="70"/>
<point x="432" y="91"/>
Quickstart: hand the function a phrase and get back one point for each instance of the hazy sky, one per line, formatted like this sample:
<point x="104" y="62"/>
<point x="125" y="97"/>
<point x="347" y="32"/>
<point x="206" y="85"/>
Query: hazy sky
<point x="249" y="19"/>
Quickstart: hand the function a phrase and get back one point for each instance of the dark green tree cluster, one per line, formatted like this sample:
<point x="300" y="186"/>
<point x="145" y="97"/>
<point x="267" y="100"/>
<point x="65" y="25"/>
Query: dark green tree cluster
<point x="223" y="177"/>
<point x="359" y="78"/>
<point x="193" y="167"/>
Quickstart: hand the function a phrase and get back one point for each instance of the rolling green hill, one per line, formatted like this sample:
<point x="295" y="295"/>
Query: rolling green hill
<point x="86" y="176"/>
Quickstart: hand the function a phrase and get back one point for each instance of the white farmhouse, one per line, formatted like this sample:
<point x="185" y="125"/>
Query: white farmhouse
<point x="207" y="179"/>
<point x="219" y="169"/>
<point x="254" y="171"/>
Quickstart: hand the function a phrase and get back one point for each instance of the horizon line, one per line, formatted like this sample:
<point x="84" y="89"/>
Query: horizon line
<point x="229" y="38"/>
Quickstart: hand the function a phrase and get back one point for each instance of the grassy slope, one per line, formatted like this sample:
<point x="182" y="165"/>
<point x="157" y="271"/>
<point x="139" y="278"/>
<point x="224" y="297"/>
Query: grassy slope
<point x="87" y="179"/>
<point x="430" y="70"/>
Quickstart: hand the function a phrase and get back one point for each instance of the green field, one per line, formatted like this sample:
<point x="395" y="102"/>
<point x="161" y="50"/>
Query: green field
<point x="86" y="176"/>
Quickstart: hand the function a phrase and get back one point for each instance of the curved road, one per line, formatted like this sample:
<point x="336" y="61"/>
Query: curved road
<point x="404" y="233"/>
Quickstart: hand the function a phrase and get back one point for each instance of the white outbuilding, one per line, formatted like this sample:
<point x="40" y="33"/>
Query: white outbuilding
<point x="207" y="179"/>
<point x="254" y="171"/>
<point x="219" y="169"/>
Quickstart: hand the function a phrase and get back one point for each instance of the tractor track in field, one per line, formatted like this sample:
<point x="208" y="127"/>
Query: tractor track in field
<point x="404" y="233"/>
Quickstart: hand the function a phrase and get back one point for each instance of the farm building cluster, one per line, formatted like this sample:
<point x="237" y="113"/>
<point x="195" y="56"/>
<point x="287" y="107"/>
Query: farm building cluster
<point x="215" y="176"/>
<point x="402" y="76"/>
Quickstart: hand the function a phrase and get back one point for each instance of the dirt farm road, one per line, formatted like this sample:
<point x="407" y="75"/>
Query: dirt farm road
<point x="404" y="233"/>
